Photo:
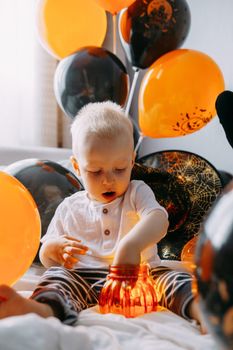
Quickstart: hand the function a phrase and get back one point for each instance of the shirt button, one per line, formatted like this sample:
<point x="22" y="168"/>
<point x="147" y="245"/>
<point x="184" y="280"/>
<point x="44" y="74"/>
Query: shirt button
<point x="105" y="210"/>
<point x="107" y="232"/>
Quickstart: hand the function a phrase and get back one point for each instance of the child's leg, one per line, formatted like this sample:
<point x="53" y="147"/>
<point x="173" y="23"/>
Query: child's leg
<point x="69" y="291"/>
<point x="174" y="289"/>
<point x="175" y="293"/>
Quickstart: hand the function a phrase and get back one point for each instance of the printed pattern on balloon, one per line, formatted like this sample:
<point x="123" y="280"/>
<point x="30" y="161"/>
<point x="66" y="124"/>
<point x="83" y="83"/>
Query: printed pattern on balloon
<point x="186" y="185"/>
<point x="191" y="121"/>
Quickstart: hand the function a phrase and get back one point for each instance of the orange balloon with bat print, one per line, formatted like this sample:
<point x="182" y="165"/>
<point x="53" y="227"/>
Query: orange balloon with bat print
<point x="178" y="93"/>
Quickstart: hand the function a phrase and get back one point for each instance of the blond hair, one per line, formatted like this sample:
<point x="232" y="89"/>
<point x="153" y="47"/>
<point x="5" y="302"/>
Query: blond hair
<point x="104" y="119"/>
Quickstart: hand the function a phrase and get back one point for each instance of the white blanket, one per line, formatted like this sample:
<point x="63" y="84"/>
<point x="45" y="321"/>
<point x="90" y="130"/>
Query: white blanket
<point x="156" y="331"/>
<point x="161" y="330"/>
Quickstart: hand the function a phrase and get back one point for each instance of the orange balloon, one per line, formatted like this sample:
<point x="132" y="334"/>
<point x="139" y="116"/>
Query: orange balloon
<point x="20" y="229"/>
<point x="64" y="26"/>
<point x="187" y="256"/>
<point x="114" y="6"/>
<point x="178" y="93"/>
<point x="188" y="250"/>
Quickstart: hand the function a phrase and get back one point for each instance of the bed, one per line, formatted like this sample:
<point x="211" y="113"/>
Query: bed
<point x="157" y="330"/>
<point x="161" y="330"/>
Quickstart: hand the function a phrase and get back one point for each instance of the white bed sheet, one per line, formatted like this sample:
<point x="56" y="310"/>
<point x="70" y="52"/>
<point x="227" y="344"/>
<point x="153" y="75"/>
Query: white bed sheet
<point x="161" y="330"/>
<point x="158" y="331"/>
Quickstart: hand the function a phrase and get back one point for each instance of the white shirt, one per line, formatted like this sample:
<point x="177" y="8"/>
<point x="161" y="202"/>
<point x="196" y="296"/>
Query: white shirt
<point x="100" y="226"/>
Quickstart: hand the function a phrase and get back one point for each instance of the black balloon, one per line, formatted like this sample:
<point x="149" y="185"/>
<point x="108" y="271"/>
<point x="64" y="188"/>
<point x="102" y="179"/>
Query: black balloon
<point x="214" y="272"/>
<point x="186" y="185"/>
<point x="151" y="28"/>
<point x="92" y="74"/>
<point x="224" y="108"/>
<point x="48" y="182"/>
<point x="225" y="177"/>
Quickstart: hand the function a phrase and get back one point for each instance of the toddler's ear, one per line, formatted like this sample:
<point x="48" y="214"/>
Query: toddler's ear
<point x="75" y="164"/>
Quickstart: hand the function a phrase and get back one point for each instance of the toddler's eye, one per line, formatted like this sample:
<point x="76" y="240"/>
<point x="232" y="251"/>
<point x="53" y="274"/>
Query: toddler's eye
<point x="120" y="170"/>
<point x="98" y="172"/>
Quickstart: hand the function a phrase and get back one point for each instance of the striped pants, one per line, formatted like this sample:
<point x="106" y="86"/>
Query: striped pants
<point x="70" y="291"/>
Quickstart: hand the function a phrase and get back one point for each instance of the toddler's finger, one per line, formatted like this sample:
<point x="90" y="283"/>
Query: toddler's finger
<point x="73" y="250"/>
<point x="78" y="245"/>
<point x="71" y="238"/>
<point x="68" y="265"/>
<point x="69" y="259"/>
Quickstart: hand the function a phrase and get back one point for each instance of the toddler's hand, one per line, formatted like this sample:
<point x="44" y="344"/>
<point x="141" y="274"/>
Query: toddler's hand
<point x="64" y="250"/>
<point x="71" y="249"/>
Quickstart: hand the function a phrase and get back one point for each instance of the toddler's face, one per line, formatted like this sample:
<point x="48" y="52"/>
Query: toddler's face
<point x="105" y="166"/>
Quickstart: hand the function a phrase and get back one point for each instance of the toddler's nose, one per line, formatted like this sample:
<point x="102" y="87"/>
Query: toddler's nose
<point x="108" y="179"/>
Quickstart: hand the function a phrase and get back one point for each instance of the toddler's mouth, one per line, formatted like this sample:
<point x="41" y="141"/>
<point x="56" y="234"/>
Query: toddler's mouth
<point x="109" y="195"/>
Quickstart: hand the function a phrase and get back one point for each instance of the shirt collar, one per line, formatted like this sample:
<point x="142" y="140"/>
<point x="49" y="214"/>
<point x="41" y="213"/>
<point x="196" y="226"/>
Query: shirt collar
<point x="97" y="204"/>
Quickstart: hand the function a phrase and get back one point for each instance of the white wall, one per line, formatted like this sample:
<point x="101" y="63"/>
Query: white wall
<point x="212" y="33"/>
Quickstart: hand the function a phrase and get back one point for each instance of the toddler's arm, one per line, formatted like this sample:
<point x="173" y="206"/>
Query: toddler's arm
<point x="149" y="230"/>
